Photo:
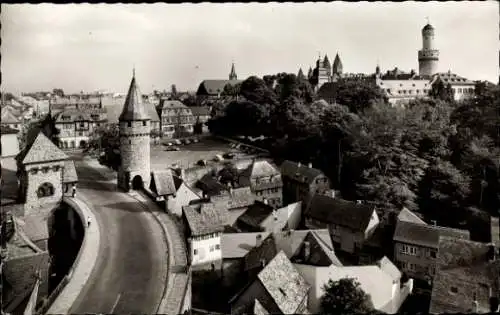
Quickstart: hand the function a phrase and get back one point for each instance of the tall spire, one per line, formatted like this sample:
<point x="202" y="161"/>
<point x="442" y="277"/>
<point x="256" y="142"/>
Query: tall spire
<point x="337" y="65"/>
<point x="133" y="108"/>
<point x="232" y="75"/>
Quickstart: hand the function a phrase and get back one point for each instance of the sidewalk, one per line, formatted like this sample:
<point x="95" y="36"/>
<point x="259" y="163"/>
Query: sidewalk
<point x="84" y="262"/>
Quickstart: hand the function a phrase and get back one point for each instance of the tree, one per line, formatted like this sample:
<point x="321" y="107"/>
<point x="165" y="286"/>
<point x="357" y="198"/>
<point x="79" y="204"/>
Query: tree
<point x="345" y="296"/>
<point x="247" y="117"/>
<point x="289" y="85"/>
<point x="443" y="194"/>
<point x="359" y="95"/>
<point x="442" y="92"/>
<point x="232" y="90"/>
<point x="255" y="90"/>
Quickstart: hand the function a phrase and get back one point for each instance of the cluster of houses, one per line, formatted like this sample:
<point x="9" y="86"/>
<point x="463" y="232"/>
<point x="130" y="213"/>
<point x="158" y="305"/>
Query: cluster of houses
<point x="275" y="236"/>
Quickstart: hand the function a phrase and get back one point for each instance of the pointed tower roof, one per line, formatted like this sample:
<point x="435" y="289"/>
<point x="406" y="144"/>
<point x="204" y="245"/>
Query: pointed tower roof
<point x="41" y="150"/>
<point x="232" y="75"/>
<point x="326" y="61"/>
<point x="337" y="64"/>
<point x="300" y="75"/>
<point x="134" y="108"/>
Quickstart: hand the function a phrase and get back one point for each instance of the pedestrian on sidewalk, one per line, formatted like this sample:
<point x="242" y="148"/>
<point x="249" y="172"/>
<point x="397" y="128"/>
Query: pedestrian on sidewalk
<point x="74" y="190"/>
<point x="89" y="220"/>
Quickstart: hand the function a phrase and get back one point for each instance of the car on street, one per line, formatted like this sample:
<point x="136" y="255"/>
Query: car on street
<point x="218" y="158"/>
<point x="177" y="142"/>
<point x="201" y="163"/>
<point x="195" y="140"/>
<point x="187" y="141"/>
<point x="172" y="148"/>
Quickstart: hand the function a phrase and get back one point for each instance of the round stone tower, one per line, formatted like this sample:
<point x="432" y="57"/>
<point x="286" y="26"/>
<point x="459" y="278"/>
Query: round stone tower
<point x="135" y="170"/>
<point x="428" y="56"/>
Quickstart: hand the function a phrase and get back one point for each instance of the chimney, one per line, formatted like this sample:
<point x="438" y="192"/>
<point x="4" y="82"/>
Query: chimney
<point x="492" y="252"/>
<point x="258" y="240"/>
<point x="307" y="250"/>
<point x="310" y="165"/>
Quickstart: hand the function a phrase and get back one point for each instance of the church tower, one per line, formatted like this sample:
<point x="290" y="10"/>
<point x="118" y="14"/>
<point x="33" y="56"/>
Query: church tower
<point x="428" y="56"/>
<point x="232" y="75"/>
<point x="135" y="169"/>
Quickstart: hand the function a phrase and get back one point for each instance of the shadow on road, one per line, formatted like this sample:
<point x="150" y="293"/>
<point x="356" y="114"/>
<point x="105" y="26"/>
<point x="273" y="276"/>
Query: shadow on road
<point x="132" y="206"/>
<point x="95" y="185"/>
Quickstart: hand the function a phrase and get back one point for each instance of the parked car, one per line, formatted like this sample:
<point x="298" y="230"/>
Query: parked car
<point x="201" y="163"/>
<point x="195" y="140"/>
<point x="218" y="158"/>
<point x="187" y="141"/>
<point x="172" y="148"/>
<point x="178" y="142"/>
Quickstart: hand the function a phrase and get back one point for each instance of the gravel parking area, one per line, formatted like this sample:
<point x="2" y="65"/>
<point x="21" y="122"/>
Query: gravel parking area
<point x="189" y="154"/>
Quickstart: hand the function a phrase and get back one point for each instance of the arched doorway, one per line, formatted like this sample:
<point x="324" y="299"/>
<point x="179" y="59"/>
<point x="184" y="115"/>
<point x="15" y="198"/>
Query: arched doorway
<point x="83" y="144"/>
<point x="137" y="182"/>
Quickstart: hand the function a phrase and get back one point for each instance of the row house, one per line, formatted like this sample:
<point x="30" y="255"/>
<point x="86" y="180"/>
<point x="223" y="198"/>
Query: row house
<point x="176" y="118"/>
<point x="350" y="223"/>
<point x="416" y="248"/>
<point x="265" y="181"/>
<point x="75" y="128"/>
<point x="204" y="226"/>
<point x="302" y="181"/>
<point x="201" y="117"/>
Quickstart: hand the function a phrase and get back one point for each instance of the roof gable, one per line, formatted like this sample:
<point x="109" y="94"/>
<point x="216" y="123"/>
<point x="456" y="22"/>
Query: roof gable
<point x="215" y="87"/>
<point x="284" y="283"/>
<point x="255" y="214"/>
<point x="41" y="150"/>
<point x="205" y="218"/>
<point x="298" y="172"/>
<point x="341" y="212"/>
<point x="8" y="117"/>
<point x="163" y="182"/>
<point x="425" y="235"/>
<point x="318" y="254"/>
<point x="408" y="216"/>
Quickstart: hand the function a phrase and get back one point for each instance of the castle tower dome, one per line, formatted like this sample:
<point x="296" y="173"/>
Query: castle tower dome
<point x="428" y="56"/>
<point x="232" y="74"/>
<point x="134" y="124"/>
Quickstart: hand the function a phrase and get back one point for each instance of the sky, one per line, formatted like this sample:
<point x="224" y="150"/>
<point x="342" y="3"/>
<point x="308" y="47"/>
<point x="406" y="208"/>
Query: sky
<point x="89" y="47"/>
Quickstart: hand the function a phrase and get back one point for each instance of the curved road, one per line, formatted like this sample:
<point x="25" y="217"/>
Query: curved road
<point x="130" y="272"/>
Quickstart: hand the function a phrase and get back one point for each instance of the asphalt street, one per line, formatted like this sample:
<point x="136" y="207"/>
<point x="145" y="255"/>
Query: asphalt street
<point x="130" y="272"/>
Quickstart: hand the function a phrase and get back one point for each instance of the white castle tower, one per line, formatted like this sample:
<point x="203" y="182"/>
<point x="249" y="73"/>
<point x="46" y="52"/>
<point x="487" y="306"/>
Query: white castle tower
<point x="428" y="56"/>
<point x="135" y="169"/>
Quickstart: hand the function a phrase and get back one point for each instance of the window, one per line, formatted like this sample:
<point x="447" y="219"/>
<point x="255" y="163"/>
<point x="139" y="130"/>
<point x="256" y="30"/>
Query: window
<point x="80" y="133"/>
<point x="56" y="168"/>
<point x="212" y="248"/>
<point x="129" y="124"/>
<point x="409" y="250"/>
<point x="45" y="190"/>
<point x="217" y="247"/>
<point x="144" y="123"/>
<point x="454" y="290"/>
<point x="412" y="267"/>
<point x="195" y="251"/>
<point x="418" y="91"/>
<point x="433" y="253"/>
<point x="82" y="125"/>
<point x="45" y="169"/>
